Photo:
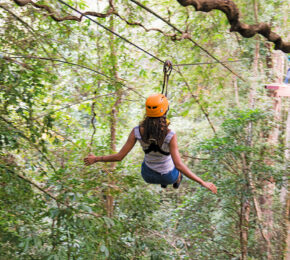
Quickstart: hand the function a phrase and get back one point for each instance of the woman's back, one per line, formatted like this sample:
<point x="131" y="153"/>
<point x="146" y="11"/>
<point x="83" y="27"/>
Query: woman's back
<point x="159" y="161"/>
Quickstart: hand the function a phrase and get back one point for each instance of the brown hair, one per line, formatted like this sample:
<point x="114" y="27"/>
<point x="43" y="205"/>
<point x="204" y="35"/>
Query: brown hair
<point x="155" y="130"/>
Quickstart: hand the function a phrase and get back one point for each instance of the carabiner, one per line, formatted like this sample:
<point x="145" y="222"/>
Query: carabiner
<point x="167" y="68"/>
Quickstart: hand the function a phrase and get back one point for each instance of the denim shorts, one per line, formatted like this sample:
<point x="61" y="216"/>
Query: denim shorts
<point x="153" y="177"/>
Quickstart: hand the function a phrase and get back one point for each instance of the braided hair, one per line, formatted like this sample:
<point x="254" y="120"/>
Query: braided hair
<point x="155" y="130"/>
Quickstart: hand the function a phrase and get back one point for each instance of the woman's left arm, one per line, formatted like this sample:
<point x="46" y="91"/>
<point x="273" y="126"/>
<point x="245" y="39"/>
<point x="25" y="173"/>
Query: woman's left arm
<point x="90" y="159"/>
<point x="184" y="169"/>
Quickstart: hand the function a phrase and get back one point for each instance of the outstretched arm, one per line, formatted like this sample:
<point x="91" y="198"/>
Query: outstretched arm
<point x="184" y="169"/>
<point x="90" y="159"/>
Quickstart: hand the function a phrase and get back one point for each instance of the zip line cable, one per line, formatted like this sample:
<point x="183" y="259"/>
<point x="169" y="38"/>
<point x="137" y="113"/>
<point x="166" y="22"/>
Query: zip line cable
<point x="189" y="38"/>
<point x="95" y="71"/>
<point x="155" y="57"/>
<point x="73" y="104"/>
<point x="61" y="61"/>
<point x="100" y="73"/>
<point x="136" y="46"/>
<point x="106" y="28"/>
<point x="206" y="63"/>
<point x="74" y="64"/>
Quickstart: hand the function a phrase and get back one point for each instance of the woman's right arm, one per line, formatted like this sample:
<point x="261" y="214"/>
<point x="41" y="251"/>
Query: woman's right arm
<point x="127" y="147"/>
<point x="184" y="169"/>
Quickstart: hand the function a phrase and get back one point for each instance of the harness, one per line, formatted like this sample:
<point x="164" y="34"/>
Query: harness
<point x="153" y="147"/>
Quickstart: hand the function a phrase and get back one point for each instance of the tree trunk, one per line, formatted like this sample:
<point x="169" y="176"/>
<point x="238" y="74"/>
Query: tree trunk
<point x="113" y="119"/>
<point x="287" y="208"/>
<point x="268" y="185"/>
<point x="245" y="205"/>
<point x="244" y="226"/>
<point x="263" y="230"/>
<point x="236" y="92"/>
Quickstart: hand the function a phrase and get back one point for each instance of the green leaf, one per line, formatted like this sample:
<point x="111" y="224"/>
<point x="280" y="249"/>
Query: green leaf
<point x="105" y="250"/>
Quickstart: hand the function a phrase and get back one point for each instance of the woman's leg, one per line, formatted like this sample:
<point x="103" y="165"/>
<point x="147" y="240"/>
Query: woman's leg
<point x="177" y="183"/>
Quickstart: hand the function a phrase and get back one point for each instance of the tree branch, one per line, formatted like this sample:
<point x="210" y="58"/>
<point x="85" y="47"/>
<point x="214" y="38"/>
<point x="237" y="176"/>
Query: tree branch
<point x="51" y="12"/>
<point x="28" y="139"/>
<point x="111" y="10"/>
<point x="24" y="65"/>
<point x="30" y="29"/>
<point x="172" y="36"/>
<point x="230" y="9"/>
<point x="50" y="195"/>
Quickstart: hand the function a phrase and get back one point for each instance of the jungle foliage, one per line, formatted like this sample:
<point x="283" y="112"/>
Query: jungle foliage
<point x="53" y="207"/>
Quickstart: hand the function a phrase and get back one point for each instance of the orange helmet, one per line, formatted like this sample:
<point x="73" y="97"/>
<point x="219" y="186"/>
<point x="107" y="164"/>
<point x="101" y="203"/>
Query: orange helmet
<point x="156" y="105"/>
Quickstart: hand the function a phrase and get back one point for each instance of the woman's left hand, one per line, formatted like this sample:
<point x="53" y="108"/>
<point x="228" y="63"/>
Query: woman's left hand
<point x="90" y="159"/>
<point x="211" y="187"/>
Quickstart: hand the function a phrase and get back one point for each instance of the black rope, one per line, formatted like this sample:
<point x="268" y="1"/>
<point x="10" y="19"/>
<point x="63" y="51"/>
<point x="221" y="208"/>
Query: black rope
<point x="73" y="104"/>
<point x="61" y="61"/>
<point x="136" y="46"/>
<point x="189" y="38"/>
<point x="106" y="28"/>
<point x="87" y="68"/>
<point x="205" y="63"/>
<point x="167" y="68"/>
<point x="73" y="64"/>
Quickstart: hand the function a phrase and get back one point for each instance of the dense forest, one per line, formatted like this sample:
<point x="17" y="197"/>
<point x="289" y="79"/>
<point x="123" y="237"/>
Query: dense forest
<point x="74" y="77"/>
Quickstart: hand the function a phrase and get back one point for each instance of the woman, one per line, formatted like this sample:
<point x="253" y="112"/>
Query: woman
<point x="162" y="163"/>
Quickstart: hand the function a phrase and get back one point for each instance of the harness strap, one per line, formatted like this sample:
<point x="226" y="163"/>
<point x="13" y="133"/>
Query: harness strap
<point x="155" y="148"/>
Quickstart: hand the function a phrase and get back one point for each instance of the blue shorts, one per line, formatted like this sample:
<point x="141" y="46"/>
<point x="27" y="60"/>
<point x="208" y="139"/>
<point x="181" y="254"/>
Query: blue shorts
<point x="153" y="177"/>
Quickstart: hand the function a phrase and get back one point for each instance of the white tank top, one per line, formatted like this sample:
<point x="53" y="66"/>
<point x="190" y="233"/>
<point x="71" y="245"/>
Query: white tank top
<point x="155" y="160"/>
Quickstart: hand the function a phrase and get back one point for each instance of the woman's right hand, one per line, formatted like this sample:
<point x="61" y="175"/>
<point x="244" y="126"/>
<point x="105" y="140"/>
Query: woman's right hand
<point x="90" y="159"/>
<point x="211" y="187"/>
